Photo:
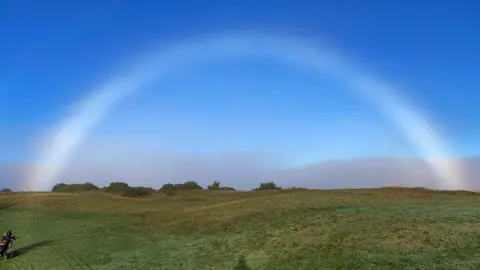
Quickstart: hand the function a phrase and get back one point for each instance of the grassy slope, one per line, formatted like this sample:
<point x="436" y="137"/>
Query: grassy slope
<point x="349" y="229"/>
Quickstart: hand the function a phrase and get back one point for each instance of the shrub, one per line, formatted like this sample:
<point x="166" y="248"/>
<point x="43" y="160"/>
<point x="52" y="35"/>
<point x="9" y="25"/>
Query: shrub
<point x="60" y="187"/>
<point x="190" y="185"/>
<point x="215" y="185"/>
<point x="74" y="187"/>
<point x="6" y="190"/>
<point x="117" y="188"/>
<point x="169" y="189"/>
<point x="137" y="191"/>
<point x="172" y="189"/>
<point x="268" y="186"/>
<point x="123" y="189"/>
<point x="167" y="186"/>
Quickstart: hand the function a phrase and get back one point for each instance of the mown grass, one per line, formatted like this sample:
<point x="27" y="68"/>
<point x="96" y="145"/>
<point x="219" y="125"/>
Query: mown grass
<point x="389" y="228"/>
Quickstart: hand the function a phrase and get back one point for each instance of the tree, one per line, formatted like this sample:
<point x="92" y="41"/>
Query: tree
<point x="62" y="187"/>
<point x="137" y="191"/>
<point x="169" y="189"/>
<point x="215" y="185"/>
<point x="167" y="186"/>
<point x="190" y="185"/>
<point x="117" y="187"/>
<point x="268" y="186"/>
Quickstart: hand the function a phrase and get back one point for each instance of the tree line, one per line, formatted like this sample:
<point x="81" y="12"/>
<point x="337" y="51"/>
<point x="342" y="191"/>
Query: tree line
<point x="123" y="189"/>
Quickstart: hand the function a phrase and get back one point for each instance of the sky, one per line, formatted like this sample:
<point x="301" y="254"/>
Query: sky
<point x="251" y="115"/>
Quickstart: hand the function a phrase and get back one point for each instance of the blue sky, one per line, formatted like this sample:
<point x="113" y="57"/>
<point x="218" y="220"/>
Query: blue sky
<point x="55" y="52"/>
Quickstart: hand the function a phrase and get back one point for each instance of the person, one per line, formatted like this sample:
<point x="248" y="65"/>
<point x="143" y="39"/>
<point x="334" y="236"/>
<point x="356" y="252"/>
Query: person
<point x="7" y="236"/>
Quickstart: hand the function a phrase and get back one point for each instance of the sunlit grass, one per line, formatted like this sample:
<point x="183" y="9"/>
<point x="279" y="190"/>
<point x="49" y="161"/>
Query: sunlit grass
<point x="298" y="229"/>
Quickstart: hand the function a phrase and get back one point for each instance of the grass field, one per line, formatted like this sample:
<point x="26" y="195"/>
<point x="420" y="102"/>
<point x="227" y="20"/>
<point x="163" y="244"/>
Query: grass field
<point x="390" y="228"/>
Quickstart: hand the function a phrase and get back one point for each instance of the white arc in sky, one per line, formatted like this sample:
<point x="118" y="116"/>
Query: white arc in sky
<point x="70" y="135"/>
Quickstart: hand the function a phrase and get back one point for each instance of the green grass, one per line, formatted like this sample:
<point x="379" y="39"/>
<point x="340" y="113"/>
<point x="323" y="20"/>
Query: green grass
<point x="390" y="228"/>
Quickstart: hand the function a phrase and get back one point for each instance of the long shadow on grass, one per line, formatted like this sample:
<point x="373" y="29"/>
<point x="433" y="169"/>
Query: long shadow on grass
<point x="7" y="205"/>
<point x="26" y="249"/>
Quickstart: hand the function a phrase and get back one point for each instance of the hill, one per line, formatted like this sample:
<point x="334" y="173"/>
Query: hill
<point x="284" y="229"/>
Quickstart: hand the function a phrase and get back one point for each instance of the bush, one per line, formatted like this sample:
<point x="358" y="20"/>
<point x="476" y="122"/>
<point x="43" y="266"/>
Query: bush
<point x="137" y="191"/>
<point x="60" y="187"/>
<point x="190" y="185"/>
<point x="172" y="189"/>
<point x="123" y="189"/>
<point x="169" y="189"/>
<point x="167" y="186"/>
<point x="215" y="185"/>
<point x="117" y="188"/>
<point x="6" y="190"/>
<point x="268" y="186"/>
<point x="74" y="187"/>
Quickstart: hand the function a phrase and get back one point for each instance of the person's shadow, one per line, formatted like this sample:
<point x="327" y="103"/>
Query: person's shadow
<point x="7" y="205"/>
<point x="26" y="249"/>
